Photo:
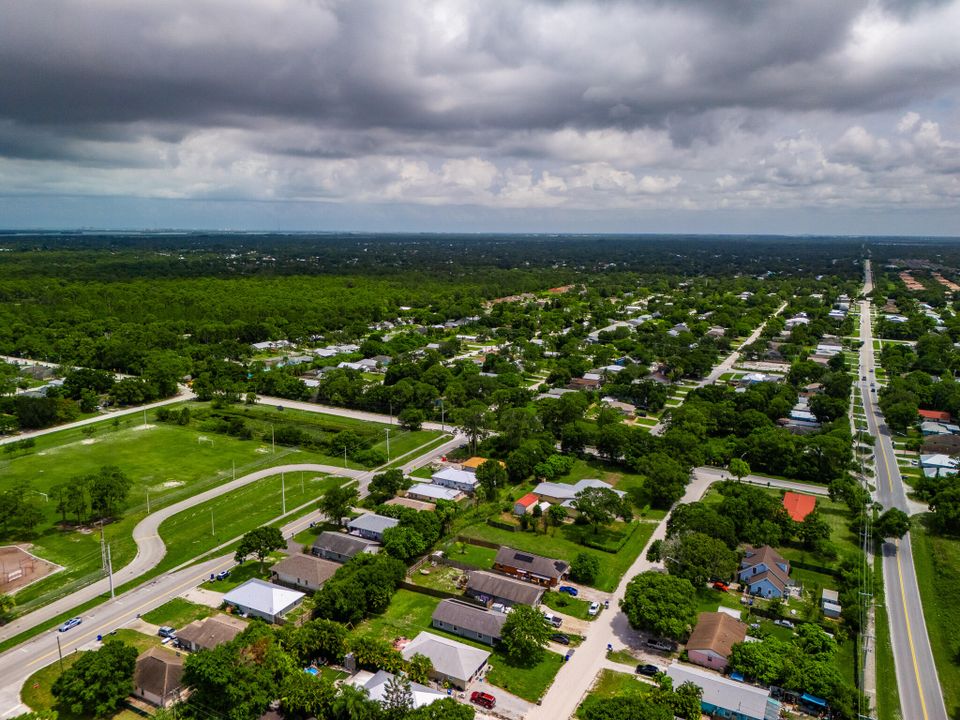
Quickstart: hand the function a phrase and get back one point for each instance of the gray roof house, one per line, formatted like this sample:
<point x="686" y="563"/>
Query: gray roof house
<point x="453" y="661"/>
<point x="488" y="588"/>
<point x="723" y="697"/>
<point x="263" y="600"/>
<point x="303" y="571"/>
<point x="371" y="526"/>
<point x="340" y="547"/>
<point x="469" y="621"/>
<point x="157" y="677"/>
<point x="210" y="632"/>
<point x="376" y="686"/>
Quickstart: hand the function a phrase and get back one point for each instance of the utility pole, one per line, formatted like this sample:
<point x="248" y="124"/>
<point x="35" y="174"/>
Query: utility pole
<point x="213" y="529"/>
<point x="283" y="495"/>
<point x="388" y="444"/>
<point x="110" y="571"/>
<point x="144" y="418"/>
<point x="103" y="549"/>
<point x="60" y="653"/>
<point x="301" y="483"/>
<point x="344" y="457"/>
<point x="442" y="426"/>
<point x="233" y="465"/>
<point x="273" y="438"/>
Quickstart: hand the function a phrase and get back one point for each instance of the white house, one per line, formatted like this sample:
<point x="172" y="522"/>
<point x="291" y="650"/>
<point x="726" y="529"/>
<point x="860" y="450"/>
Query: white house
<point x="371" y="526"/>
<point x="376" y="686"/>
<point x="456" y="479"/>
<point x="939" y="464"/>
<point x="263" y="600"/>
<point x="453" y="661"/>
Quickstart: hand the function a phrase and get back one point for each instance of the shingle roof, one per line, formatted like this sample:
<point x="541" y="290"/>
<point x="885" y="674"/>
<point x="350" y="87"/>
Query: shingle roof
<point x="569" y="492"/>
<point x="722" y="692"/>
<point x="341" y="543"/>
<point x="493" y="585"/>
<point x="263" y="597"/>
<point x="376" y="687"/>
<point x="717" y="632"/>
<point x="436" y="492"/>
<point x="371" y="522"/>
<point x="158" y="672"/>
<point x="312" y="570"/>
<point x="449" y="657"/>
<point x="470" y="617"/>
<point x="211" y="631"/>
<point x="457" y="476"/>
<point x="533" y="564"/>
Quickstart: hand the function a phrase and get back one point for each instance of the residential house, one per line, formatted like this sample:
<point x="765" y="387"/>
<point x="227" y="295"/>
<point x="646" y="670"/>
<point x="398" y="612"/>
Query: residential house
<point x="376" y="686"/>
<point x="157" y="677"/>
<point x="454" y="479"/>
<point x="471" y="464"/>
<point x="453" y="662"/>
<point x="726" y="698"/>
<point x="418" y="505"/>
<point x="564" y="494"/>
<point x="340" y="547"/>
<point x="764" y="572"/>
<point x="830" y="603"/>
<point x="531" y="568"/>
<point x="938" y="465"/>
<point x="303" y="571"/>
<point x="930" y="427"/>
<point x="525" y="504"/>
<point x="432" y="493"/>
<point x="798" y="506"/>
<point x="584" y="383"/>
<point x="935" y="415"/>
<point x="261" y="599"/>
<point x="469" y="621"/>
<point x="371" y="526"/>
<point x="713" y="638"/>
<point x="626" y="409"/>
<point x="210" y="632"/>
<point x="490" y="588"/>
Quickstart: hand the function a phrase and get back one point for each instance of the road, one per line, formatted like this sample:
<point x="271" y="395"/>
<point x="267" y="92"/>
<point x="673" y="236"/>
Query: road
<point x="612" y="627"/>
<point x="345" y="412"/>
<point x="920" y="694"/>
<point x="725" y="365"/>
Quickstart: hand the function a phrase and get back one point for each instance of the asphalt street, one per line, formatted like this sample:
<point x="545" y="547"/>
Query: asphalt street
<point x="920" y="694"/>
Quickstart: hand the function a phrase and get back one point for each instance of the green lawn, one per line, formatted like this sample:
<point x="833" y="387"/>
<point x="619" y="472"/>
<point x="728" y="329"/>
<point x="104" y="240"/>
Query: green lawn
<point x="177" y="613"/>
<point x="241" y="573"/>
<point x="563" y="603"/>
<point x="441" y="577"/>
<point x="427" y="446"/>
<point x="530" y="683"/>
<point x="624" y="657"/>
<point x="937" y="562"/>
<point x="888" y="696"/>
<point x="557" y="545"/>
<point x="169" y="461"/>
<point x="408" y="614"/>
<point x="475" y="555"/>
<point x="613" y="684"/>
<point x="201" y="528"/>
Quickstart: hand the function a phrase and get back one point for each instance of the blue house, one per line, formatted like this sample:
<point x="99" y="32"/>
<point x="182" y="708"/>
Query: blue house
<point x="764" y="572"/>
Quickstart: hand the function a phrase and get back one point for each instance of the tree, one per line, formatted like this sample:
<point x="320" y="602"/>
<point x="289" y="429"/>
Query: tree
<point x="698" y="558"/>
<point x="337" y="502"/>
<point x="814" y="530"/>
<point x="304" y="696"/>
<point x="491" y="475"/>
<point x="662" y="604"/>
<point x="108" y="491"/>
<point x="98" y="682"/>
<point x="665" y="479"/>
<point x="599" y="506"/>
<point x="411" y="418"/>
<point x="474" y="422"/>
<point x="7" y="604"/>
<point x="524" y="635"/>
<point x="261" y="542"/>
<point x="738" y="468"/>
<point x="894" y="523"/>
<point x="419" y="668"/>
<point x="398" y="696"/>
<point x="386" y="485"/>
<point x="403" y="542"/>
<point x="901" y="416"/>
<point x="585" y="568"/>
<point x="556" y="515"/>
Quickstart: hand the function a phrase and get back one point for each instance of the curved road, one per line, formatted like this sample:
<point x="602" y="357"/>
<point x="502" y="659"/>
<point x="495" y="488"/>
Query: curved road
<point x="150" y="546"/>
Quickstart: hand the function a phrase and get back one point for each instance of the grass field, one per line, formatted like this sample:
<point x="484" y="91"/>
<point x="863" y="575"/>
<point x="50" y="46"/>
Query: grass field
<point x="409" y="614"/>
<point x="563" y="603"/>
<point x="612" y="684"/>
<point x="475" y="555"/>
<point x="177" y="613"/>
<point x="888" y="696"/>
<point x="937" y="562"/>
<point x="558" y="546"/>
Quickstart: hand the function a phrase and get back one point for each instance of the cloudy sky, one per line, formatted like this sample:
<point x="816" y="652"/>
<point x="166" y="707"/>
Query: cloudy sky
<point x="806" y="116"/>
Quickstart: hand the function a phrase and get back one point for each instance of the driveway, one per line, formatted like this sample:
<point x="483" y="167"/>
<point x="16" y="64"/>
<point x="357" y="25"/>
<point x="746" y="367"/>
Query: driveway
<point x="508" y="706"/>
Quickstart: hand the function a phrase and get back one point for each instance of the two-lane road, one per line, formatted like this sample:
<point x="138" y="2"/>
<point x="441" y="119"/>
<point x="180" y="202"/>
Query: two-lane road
<point x="920" y="695"/>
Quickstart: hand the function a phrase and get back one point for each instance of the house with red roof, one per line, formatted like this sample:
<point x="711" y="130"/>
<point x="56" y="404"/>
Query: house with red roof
<point x="525" y="504"/>
<point x="937" y="415"/>
<point x="798" y="506"/>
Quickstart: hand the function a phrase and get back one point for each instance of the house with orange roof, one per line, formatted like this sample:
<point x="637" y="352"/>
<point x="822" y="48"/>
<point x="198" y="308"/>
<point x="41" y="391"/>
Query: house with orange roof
<point x="937" y="415"/>
<point x="798" y="506"/>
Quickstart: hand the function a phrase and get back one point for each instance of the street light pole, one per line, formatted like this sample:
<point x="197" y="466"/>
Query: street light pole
<point x="110" y="571"/>
<point x="213" y="530"/>
<point x="388" y="444"/>
<point x="283" y="495"/>
<point x="273" y="438"/>
<point x="60" y="653"/>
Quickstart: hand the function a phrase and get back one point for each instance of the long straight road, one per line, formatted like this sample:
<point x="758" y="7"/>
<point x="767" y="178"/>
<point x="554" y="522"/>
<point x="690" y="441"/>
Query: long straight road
<point x="920" y="695"/>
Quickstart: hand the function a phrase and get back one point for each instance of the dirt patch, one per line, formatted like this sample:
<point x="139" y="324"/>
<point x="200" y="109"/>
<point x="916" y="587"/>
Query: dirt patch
<point x="138" y="428"/>
<point x="19" y="568"/>
<point x="88" y="441"/>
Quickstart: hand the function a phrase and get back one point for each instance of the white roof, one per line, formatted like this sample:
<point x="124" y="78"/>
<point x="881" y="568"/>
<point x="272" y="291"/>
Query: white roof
<point x="433" y="491"/>
<point x="569" y="492"/>
<point x="722" y="692"/>
<point x="263" y="597"/>
<point x="938" y="460"/>
<point x="449" y="657"/>
<point x="372" y="522"/>
<point x="376" y="687"/>
<point x="458" y="476"/>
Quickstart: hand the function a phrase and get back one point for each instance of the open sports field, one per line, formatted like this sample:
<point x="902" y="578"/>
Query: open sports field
<point x="169" y="462"/>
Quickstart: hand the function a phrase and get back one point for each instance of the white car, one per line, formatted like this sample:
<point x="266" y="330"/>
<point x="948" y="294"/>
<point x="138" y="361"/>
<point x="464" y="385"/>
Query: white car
<point x="593" y="609"/>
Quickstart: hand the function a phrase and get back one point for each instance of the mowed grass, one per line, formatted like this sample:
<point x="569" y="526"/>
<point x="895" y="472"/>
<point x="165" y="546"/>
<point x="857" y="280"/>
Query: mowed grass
<point x="612" y="684"/>
<point x="937" y="563"/>
<point x="563" y="603"/>
<point x="205" y="526"/>
<point x="556" y="545"/>
<point x="410" y="613"/>
<point x="177" y="613"/>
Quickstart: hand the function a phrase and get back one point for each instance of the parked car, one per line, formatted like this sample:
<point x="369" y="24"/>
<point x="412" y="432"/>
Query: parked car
<point x="552" y="619"/>
<point x="783" y="623"/>
<point x="593" y="609"/>
<point x="223" y="575"/>
<point x="754" y="626"/>
<point x="484" y="700"/>
<point x="662" y="645"/>
<point x="560" y="638"/>
<point x="721" y="586"/>
<point x="648" y="670"/>
<point x="571" y="591"/>
<point x="165" y="631"/>
<point x="71" y="623"/>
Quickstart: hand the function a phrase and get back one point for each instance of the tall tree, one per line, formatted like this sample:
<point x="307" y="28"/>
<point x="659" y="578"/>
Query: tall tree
<point x="662" y="604"/>
<point x="599" y="506"/>
<point x="98" y="682"/>
<point x="337" y="502"/>
<point x="261" y="542"/>
<point x="474" y="422"/>
<point x="491" y="476"/>
<point x="524" y="635"/>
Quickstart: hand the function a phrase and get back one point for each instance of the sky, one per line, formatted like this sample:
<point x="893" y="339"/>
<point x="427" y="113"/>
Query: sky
<point x="713" y="116"/>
